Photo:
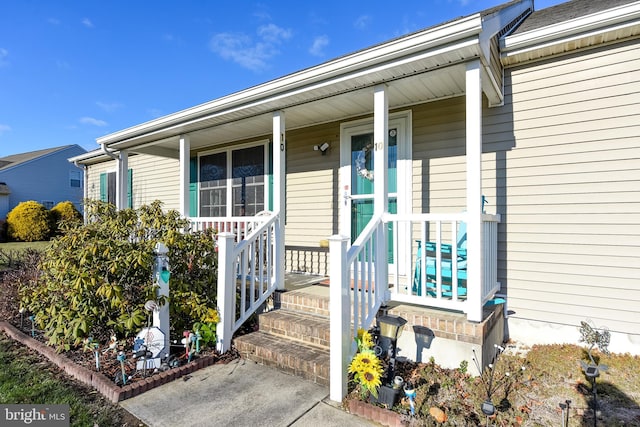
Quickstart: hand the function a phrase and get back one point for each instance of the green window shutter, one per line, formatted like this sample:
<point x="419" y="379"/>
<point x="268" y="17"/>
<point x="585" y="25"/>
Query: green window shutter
<point x="103" y="187"/>
<point x="193" y="186"/>
<point x="270" y="178"/>
<point x="130" y="189"/>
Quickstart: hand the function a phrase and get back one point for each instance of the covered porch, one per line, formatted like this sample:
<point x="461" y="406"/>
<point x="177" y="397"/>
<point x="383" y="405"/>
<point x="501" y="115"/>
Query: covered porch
<point x="372" y="92"/>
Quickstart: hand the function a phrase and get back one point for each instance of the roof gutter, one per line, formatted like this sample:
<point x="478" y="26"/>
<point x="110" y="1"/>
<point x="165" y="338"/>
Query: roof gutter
<point x="619" y="17"/>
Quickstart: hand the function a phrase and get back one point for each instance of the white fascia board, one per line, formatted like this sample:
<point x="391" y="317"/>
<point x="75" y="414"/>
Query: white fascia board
<point x="364" y="60"/>
<point x="492" y="24"/>
<point x="571" y="29"/>
<point x="173" y="126"/>
<point x="93" y="156"/>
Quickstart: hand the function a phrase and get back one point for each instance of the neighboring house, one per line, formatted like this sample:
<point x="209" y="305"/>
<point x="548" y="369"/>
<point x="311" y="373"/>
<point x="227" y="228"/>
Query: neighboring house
<point x="538" y="111"/>
<point x="44" y="176"/>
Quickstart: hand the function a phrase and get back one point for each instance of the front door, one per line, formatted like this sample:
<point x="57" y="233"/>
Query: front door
<point x="358" y="176"/>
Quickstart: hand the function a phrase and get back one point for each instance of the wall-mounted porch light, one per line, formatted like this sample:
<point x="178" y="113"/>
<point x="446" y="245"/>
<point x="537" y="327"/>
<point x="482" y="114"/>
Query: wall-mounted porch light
<point x="322" y="148"/>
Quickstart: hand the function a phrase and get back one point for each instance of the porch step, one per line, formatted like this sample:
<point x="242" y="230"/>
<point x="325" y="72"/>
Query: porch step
<point x="313" y="300"/>
<point x="298" y="326"/>
<point x="294" y="337"/>
<point x="297" y="358"/>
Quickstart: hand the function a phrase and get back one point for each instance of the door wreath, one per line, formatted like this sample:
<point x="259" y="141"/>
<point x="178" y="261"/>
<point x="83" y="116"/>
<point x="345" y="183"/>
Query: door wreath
<point x="361" y="160"/>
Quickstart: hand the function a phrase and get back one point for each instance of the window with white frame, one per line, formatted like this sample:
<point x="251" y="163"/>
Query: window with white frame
<point x="75" y="179"/>
<point x="232" y="182"/>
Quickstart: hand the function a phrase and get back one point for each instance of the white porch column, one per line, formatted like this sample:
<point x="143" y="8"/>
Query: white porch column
<point x="279" y="201"/>
<point x="340" y="321"/>
<point x="185" y="168"/>
<point x="381" y="183"/>
<point x="226" y="291"/>
<point x="474" y="191"/>
<point x="381" y="144"/>
<point x="122" y="179"/>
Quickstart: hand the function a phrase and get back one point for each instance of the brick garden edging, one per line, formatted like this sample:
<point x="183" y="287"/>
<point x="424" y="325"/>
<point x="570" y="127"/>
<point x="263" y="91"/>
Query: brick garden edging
<point x="376" y="413"/>
<point x="98" y="381"/>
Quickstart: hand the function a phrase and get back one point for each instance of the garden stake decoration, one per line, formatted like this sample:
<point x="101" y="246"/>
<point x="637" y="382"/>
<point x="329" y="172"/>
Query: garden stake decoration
<point x="491" y="384"/>
<point x="198" y="338"/>
<point x="21" y="311"/>
<point x="121" y="358"/>
<point x="410" y="393"/>
<point x="565" y="412"/>
<point x="187" y="344"/>
<point x="113" y="343"/>
<point x="194" y="348"/>
<point x="32" y="318"/>
<point x="590" y="335"/>
<point x="90" y="345"/>
<point x="97" y="355"/>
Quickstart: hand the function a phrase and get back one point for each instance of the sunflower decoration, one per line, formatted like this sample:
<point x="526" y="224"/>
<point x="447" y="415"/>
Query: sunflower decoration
<point x="364" y="340"/>
<point x="365" y="366"/>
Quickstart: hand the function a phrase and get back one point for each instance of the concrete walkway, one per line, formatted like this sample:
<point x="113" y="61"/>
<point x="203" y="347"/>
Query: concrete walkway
<point x="240" y="393"/>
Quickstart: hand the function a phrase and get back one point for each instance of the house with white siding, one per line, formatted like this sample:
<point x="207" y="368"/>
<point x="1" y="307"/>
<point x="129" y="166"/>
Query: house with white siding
<point x="43" y="175"/>
<point x="508" y="140"/>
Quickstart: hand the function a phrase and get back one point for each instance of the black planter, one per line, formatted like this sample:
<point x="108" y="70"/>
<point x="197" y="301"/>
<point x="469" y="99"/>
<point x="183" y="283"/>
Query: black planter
<point x="387" y="396"/>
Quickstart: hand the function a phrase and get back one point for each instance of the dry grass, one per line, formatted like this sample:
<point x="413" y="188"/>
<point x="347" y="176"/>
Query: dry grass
<point x="529" y="397"/>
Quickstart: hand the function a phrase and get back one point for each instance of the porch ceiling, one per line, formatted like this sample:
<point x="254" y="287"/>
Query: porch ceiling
<point x="355" y="99"/>
<point x="407" y="85"/>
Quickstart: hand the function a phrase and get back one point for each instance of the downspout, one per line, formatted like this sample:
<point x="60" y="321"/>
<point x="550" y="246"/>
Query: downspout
<point x="502" y="298"/>
<point x="85" y="189"/>
<point x="118" y="160"/>
<point x="109" y="153"/>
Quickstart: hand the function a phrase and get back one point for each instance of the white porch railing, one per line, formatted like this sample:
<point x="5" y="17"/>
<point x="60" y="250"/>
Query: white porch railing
<point x="247" y="273"/>
<point x="357" y="290"/>
<point x="238" y="225"/>
<point x="425" y="273"/>
<point x="360" y="282"/>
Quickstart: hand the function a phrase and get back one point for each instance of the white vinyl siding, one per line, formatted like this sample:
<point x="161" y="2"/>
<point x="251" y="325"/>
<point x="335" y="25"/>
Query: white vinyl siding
<point x="569" y="243"/>
<point x="154" y="178"/>
<point x="312" y="185"/>
<point x="561" y="164"/>
<point x="311" y="195"/>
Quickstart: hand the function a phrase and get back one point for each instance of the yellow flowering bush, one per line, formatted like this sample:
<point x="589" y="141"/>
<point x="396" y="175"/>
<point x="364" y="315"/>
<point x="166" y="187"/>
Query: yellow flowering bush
<point x="365" y="366"/>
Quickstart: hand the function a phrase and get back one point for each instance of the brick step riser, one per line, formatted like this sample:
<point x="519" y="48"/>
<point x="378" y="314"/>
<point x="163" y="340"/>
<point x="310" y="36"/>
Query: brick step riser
<point x="303" y="303"/>
<point x="297" y="329"/>
<point x="286" y="361"/>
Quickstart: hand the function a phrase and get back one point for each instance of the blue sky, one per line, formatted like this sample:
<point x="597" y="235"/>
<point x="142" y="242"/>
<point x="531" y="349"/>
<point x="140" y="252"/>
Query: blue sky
<point x="72" y="71"/>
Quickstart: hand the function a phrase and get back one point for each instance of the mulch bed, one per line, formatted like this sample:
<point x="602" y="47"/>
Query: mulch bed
<point x="81" y="364"/>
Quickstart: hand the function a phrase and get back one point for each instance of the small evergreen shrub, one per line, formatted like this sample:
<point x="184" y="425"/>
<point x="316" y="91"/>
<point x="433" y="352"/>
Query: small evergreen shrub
<point x="96" y="278"/>
<point x="63" y="215"/>
<point x="29" y="222"/>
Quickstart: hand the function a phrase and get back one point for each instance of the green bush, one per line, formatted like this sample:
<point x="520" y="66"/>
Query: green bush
<point x="29" y="222"/>
<point x="97" y="277"/>
<point x="64" y="215"/>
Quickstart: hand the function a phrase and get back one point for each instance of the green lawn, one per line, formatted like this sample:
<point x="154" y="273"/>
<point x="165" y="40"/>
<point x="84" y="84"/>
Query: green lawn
<point x="27" y="378"/>
<point x="10" y="252"/>
<point x="21" y="246"/>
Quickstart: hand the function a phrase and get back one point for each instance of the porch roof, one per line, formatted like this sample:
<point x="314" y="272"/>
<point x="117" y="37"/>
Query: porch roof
<point x="570" y="26"/>
<point x="420" y="67"/>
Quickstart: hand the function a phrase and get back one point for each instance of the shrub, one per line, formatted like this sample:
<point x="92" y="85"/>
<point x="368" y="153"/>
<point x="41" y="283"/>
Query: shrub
<point x="64" y="215"/>
<point x="29" y="222"/>
<point x="97" y="277"/>
<point x="22" y="269"/>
